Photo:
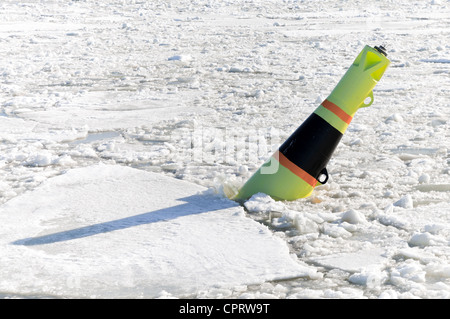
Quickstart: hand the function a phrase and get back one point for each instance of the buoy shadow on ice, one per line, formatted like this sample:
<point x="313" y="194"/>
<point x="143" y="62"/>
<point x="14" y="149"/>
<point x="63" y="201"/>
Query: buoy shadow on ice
<point x="188" y="208"/>
<point x="116" y="231"/>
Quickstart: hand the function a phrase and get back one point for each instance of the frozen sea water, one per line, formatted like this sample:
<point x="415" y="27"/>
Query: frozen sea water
<point x="200" y="91"/>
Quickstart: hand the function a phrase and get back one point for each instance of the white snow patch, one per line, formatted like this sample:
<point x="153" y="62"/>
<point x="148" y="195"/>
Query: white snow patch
<point x="405" y="202"/>
<point x="112" y="231"/>
<point x="356" y="262"/>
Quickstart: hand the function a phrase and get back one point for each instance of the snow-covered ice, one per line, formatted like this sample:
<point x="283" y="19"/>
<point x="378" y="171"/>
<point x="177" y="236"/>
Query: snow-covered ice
<point x="125" y="124"/>
<point x="113" y="231"/>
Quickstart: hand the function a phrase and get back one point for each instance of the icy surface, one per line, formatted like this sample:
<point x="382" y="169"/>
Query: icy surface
<point x="204" y="92"/>
<point x="112" y="231"/>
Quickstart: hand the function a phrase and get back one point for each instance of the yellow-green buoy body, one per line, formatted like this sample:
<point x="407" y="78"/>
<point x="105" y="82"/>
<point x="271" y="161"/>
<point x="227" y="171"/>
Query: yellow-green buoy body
<point x="299" y="165"/>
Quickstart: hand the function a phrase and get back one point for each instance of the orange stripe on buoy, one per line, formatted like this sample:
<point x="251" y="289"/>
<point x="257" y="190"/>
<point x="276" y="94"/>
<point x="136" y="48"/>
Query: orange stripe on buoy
<point x="295" y="169"/>
<point x="337" y="110"/>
